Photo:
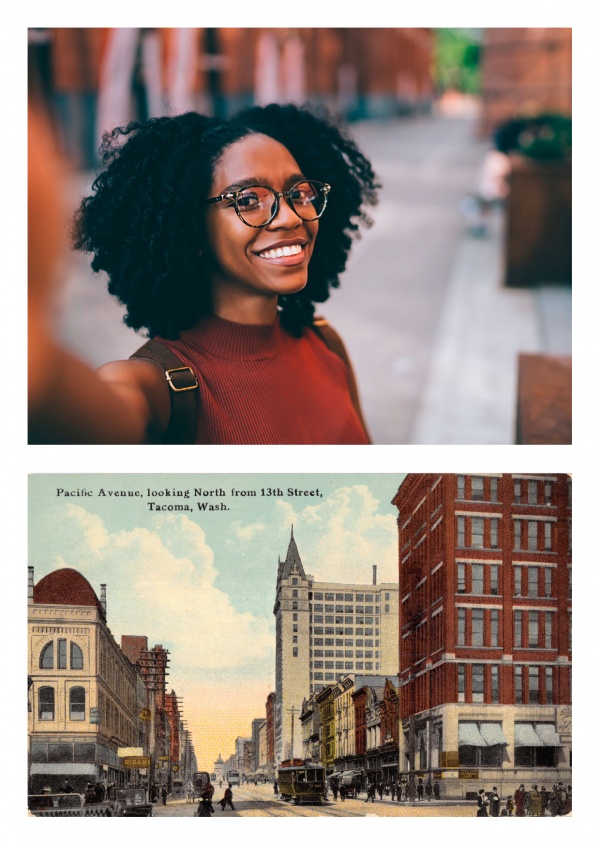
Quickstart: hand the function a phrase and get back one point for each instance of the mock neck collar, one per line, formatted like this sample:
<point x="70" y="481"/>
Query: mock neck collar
<point x="234" y="341"/>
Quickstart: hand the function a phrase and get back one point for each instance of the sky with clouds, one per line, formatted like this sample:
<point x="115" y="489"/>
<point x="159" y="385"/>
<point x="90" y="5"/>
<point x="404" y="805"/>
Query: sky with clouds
<point x="202" y="583"/>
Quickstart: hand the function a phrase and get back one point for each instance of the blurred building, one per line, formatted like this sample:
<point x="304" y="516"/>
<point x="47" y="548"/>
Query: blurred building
<point x="485" y="630"/>
<point x="82" y="688"/>
<point x="524" y="71"/>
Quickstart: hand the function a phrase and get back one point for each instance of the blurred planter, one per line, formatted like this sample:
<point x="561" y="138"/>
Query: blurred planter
<point x="538" y="226"/>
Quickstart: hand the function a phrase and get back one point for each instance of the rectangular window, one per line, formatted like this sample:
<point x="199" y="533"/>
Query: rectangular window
<point x="532" y="493"/>
<point x="534" y="685"/>
<point x="460" y="531"/>
<point x="494" y="533"/>
<point x="495" y="683"/>
<point x="518" y="628"/>
<point x="534" y="626"/>
<point x="477" y="579"/>
<point x="477" y="488"/>
<point x="460" y="487"/>
<point x="532" y="534"/>
<point x="517" y="531"/>
<point x="548" y="537"/>
<point x="519" y="685"/>
<point x="477" y="532"/>
<point x="532" y="581"/>
<point x="461" y="682"/>
<point x="62" y="654"/>
<point x="548" y="493"/>
<point x="461" y="626"/>
<point x="494" y="626"/>
<point x="477" y="627"/>
<point x="549" y="686"/>
<point x="517" y="574"/>
<point x="517" y="491"/>
<point x="462" y="585"/>
<point x="548" y="581"/>
<point x="494" y="579"/>
<point x="478" y="682"/>
<point x="548" y="630"/>
<point x="494" y="490"/>
<point x="295" y="652"/>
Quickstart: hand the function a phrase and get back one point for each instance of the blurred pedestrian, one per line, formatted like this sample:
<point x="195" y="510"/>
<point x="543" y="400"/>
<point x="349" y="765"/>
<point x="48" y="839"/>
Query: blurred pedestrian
<point x="371" y="792"/>
<point x="393" y="791"/>
<point x="342" y="793"/>
<point x="276" y="788"/>
<point x="334" y="789"/>
<point x="428" y="789"/>
<point x="482" y="803"/>
<point x="380" y="790"/>
<point x="436" y="789"/>
<point x="227" y="799"/>
<point x="520" y="801"/>
<point x="420" y="789"/>
<point x="217" y="271"/>
<point x="163" y="793"/>
<point x="510" y="806"/>
<point x="494" y="798"/>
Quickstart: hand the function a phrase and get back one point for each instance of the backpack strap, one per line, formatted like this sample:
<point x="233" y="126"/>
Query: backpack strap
<point x="332" y="340"/>
<point x="184" y="391"/>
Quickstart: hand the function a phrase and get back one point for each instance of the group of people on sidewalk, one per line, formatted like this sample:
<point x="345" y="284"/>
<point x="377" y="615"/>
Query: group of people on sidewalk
<point x="532" y="803"/>
<point x="400" y="792"/>
<point x="205" y="806"/>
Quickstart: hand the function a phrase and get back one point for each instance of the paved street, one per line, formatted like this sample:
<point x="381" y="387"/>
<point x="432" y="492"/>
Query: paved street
<point x="250" y="801"/>
<point x="433" y="333"/>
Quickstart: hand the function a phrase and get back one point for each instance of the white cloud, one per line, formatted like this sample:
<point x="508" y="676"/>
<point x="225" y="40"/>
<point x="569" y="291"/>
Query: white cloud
<point x="162" y="583"/>
<point x="341" y="538"/>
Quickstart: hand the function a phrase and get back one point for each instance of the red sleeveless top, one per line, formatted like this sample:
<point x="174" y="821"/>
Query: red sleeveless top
<point x="260" y="385"/>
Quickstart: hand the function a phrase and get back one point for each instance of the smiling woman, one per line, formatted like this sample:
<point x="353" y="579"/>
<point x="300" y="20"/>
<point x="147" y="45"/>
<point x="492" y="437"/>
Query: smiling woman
<point x="219" y="237"/>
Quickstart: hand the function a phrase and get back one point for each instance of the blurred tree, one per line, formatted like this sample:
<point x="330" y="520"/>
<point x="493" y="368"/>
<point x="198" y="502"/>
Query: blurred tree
<point x="457" y="59"/>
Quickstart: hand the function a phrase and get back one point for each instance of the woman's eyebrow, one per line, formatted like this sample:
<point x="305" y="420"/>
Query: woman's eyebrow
<point x="261" y="180"/>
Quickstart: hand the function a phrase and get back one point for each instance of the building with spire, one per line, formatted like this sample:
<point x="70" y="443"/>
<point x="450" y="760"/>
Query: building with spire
<point x="325" y="630"/>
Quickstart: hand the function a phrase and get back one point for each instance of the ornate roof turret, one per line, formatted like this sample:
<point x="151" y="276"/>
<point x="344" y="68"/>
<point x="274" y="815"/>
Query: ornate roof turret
<point x="293" y="562"/>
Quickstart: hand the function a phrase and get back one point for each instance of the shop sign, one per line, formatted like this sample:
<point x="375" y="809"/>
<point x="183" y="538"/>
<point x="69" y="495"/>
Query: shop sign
<point x="469" y="774"/>
<point x="564" y="720"/>
<point x="95" y="716"/>
<point x="137" y="761"/>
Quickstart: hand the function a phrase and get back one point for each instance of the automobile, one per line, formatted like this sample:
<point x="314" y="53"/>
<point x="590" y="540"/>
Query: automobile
<point x="132" y="802"/>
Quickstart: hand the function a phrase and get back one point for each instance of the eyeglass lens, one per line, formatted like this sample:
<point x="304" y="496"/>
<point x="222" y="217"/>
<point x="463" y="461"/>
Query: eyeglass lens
<point x="257" y="203"/>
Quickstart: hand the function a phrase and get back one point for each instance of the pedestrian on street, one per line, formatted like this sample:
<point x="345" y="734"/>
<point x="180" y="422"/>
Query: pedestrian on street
<point x="205" y="806"/>
<point x="494" y="798"/>
<point x="67" y="786"/>
<point x="436" y="789"/>
<point x="342" y="793"/>
<point x="520" y="801"/>
<point x="482" y="803"/>
<point x="420" y="789"/>
<point x="535" y="802"/>
<point x="275" y="788"/>
<point x="429" y="789"/>
<point x="544" y="797"/>
<point x="163" y="793"/>
<point x="212" y="261"/>
<point x="334" y="789"/>
<point x="380" y="790"/>
<point x="371" y="793"/>
<point x="393" y="791"/>
<point x="227" y="799"/>
<point x="510" y="805"/>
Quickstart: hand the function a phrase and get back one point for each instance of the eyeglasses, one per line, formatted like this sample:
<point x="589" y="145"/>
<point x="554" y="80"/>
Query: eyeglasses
<point x="257" y="205"/>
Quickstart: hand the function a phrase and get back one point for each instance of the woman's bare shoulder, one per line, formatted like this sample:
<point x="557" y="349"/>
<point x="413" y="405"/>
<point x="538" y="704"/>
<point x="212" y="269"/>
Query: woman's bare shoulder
<point x="142" y="382"/>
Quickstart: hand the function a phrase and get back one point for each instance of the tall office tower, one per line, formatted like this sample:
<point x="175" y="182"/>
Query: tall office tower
<point x="485" y="629"/>
<point x="325" y="630"/>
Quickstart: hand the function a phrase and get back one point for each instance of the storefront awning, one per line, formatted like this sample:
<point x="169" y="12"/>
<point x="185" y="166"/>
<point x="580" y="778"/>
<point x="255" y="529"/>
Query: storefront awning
<point x="547" y="734"/>
<point x="469" y="735"/>
<point x="492" y="734"/>
<point x="525" y="735"/>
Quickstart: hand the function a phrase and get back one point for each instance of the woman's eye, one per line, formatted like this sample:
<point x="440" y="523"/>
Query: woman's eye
<point x="248" y="200"/>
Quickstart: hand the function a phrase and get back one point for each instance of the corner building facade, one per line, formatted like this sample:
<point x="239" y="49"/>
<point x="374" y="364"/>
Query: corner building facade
<point x="485" y="623"/>
<point x="325" y="630"/>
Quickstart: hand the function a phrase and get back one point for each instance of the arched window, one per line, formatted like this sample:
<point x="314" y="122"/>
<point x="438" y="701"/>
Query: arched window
<point x="47" y="657"/>
<point x="77" y="703"/>
<point x="46" y="703"/>
<point x="76" y="657"/>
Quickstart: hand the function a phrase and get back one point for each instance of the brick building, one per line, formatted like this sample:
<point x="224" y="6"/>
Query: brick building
<point x="485" y="622"/>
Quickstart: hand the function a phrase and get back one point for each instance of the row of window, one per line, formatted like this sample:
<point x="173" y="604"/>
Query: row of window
<point x="481" y="580"/>
<point x="481" y="627"/>
<point x="525" y="491"/>
<point x="482" y="533"/>
<point x="319" y="608"/>
<point x="47" y="703"/>
<point x="532" y="685"/>
<point x="348" y="597"/>
<point x="341" y="653"/>
<point x="348" y="666"/>
<point x="52" y="655"/>
<point x="329" y="665"/>
<point x="341" y="630"/>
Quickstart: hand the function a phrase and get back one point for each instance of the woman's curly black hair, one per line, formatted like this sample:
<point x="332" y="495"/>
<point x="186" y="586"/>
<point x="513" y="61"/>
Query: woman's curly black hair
<point x="144" y="222"/>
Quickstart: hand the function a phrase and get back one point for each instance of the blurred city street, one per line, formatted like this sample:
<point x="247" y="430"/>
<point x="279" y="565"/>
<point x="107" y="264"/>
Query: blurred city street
<point x="433" y="333"/>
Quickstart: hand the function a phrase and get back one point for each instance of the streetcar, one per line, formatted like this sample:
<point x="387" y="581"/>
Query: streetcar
<point x="301" y="782"/>
<point x="233" y="777"/>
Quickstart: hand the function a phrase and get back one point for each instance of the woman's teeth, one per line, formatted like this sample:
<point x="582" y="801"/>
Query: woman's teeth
<point x="282" y="251"/>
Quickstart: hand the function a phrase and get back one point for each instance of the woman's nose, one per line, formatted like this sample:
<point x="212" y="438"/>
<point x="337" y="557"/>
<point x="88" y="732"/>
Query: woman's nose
<point x="285" y="216"/>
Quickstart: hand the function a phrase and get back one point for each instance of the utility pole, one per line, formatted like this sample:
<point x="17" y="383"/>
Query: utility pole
<point x="293" y="711"/>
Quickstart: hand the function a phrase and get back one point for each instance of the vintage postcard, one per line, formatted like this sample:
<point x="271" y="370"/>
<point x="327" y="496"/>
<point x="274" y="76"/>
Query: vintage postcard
<point x="299" y="645"/>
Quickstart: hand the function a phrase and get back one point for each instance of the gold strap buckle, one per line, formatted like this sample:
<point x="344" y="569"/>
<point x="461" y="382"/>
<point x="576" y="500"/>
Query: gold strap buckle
<point x="173" y="386"/>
